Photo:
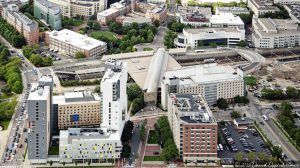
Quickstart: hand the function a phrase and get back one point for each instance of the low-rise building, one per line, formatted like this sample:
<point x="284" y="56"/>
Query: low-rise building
<point x="4" y="3"/>
<point x="69" y="42"/>
<point x="194" y="128"/>
<point x="261" y="7"/>
<point x="195" y="16"/>
<point x="129" y="19"/>
<point x="243" y="123"/>
<point x="159" y="14"/>
<point x="285" y="2"/>
<point x="49" y="13"/>
<point x="210" y="80"/>
<point x="275" y="33"/>
<point x="157" y="1"/>
<point x="80" y="144"/>
<point x="207" y="36"/>
<point x="115" y="10"/>
<point x="186" y="2"/>
<point x="77" y="109"/>
<point x="226" y="20"/>
<point x="87" y="8"/>
<point x="233" y="10"/>
<point x="294" y="12"/>
<point x="25" y="26"/>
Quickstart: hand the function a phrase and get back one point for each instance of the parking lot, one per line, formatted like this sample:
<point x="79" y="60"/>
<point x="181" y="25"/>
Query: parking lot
<point x="234" y="141"/>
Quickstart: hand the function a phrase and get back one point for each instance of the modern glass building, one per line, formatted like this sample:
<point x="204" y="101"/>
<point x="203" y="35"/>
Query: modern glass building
<point x="49" y="13"/>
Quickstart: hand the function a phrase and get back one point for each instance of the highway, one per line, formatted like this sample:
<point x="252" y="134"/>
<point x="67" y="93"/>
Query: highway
<point x="19" y="119"/>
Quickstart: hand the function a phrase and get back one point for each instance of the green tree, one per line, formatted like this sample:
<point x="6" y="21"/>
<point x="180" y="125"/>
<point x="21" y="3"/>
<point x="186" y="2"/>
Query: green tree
<point x="79" y="55"/>
<point x="277" y="151"/>
<point x="250" y="80"/>
<point x="126" y="150"/>
<point x="169" y="39"/>
<point x="156" y="23"/>
<point x="36" y="60"/>
<point x="292" y="92"/>
<point x="51" y="162"/>
<point x="27" y="51"/>
<point x="134" y="91"/>
<point x="261" y="156"/>
<point x="4" y="55"/>
<point x="242" y="43"/>
<point x="235" y="114"/>
<point x="47" y="61"/>
<point x="251" y="156"/>
<point x="137" y="105"/>
<point x="239" y="156"/>
<point x="222" y="103"/>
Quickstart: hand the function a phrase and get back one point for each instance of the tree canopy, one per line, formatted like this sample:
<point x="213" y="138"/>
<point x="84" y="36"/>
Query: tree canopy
<point x="11" y="34"/>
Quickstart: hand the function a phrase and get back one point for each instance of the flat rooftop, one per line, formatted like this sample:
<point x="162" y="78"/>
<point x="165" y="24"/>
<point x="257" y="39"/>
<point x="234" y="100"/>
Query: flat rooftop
<point x="226" y="18"/>
<point x="234" y="9"/>
<point x="75" y="98"/>
<point x="84" y="134"/>
<point x="192" y="108"/>
<point x="210" y="30"/>
<point x="201" y="74"/>
<point x="38" y="92"/>
<point x="49" y="5"/>
<point x="76" y="39"/>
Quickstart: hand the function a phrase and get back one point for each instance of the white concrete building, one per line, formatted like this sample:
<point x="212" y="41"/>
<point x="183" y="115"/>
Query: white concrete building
<point x="38" y="107"/>
<point x="206" y="36"/>
<point x="261" y="7"/>
<point x="100" y="144"/>
<point x="71" y="8"/>
<point x="157" y="1"/>
<point x="69" y="42"/>
<point x="285" y="2"/>
<point x="114" y="96"/>
<point x="233" y="10"/>
<point x="210" y="80"/>
<point x="116" y="9"/>
<point x="185" y="2"/>
<point x="275" y="33"/>
<point x="226" y="20"/>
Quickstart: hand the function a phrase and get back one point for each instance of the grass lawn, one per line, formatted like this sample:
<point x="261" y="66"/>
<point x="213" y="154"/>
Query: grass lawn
<point x="53" y="150"/>
<point x="152" y="137"/>
<point x="152" y="158"/>
<point x="77" y="22"/>
<point x="147" y="49"/>
<point x="5" y="124"/>
<point x="109" y="35"/>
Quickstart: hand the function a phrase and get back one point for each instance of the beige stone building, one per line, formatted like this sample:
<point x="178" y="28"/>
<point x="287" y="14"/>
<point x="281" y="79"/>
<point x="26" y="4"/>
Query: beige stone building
<point x="213" y="81"/>
<point x="77" y="109"/>
<point x="71" y="8"/>
<point x="25" y="26"/>
<point x="69" y="43"/>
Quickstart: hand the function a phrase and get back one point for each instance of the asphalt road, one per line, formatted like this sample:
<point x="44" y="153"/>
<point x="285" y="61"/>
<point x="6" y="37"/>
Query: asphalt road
<point x="28" y="77"/>
<point x="271" y="130"/>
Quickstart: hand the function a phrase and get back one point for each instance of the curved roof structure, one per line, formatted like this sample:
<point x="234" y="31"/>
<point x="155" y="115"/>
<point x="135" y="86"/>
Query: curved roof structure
<point x="157" y="67"/>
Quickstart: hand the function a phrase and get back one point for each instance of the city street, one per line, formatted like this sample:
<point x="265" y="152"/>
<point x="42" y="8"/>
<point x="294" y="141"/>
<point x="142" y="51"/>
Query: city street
<point x="271" y="130"/>
<point x="19" y="119"/>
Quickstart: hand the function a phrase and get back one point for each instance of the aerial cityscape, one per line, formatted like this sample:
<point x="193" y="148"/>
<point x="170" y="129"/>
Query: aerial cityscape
<point x="149" y="83"/>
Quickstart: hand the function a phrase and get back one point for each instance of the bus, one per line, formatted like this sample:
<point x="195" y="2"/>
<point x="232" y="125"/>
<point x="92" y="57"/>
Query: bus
<point x="199" y="51"/>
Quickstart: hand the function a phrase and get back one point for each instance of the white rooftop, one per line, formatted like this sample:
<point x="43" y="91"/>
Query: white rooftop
<point x="38" y="93"/>
<point x="226" y="18"/>
<point x="76" y="39"/>
<point x="207" y="73"/>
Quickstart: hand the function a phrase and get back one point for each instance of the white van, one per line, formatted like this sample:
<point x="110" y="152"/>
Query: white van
<point x="221" y="147"/>
<point x="265" y="117"/>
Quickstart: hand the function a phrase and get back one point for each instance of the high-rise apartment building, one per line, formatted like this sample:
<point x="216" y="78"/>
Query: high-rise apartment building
<point x="100" y="144"/>
<point x="48" y="13"/>
<point x="38" y="107"/>
<point x="210" y="80"/>
<point x="194" y="128"/>
<point x="114" y="96"/>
